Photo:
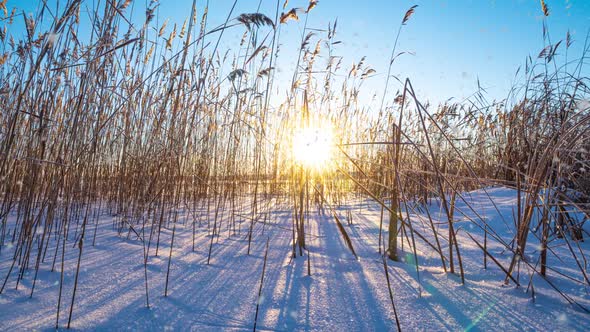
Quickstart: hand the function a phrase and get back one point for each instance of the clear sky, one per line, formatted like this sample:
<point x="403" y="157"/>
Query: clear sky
<point x="454" y="42"/>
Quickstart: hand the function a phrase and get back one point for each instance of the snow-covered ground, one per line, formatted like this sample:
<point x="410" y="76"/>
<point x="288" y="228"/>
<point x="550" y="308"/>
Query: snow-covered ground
<point x="342" y="294"/>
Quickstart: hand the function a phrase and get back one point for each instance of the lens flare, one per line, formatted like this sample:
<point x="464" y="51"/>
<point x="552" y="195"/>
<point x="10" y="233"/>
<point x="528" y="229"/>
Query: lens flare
<point x="312" y="146"/>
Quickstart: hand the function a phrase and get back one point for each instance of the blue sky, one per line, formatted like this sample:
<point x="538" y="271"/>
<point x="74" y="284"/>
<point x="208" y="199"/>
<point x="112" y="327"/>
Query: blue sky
<point x="454" y="42"/>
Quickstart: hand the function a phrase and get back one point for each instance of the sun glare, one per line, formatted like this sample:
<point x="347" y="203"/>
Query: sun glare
<point x="312" y="146"/>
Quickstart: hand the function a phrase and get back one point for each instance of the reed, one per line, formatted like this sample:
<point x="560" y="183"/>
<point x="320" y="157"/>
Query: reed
<point x="137" y="119"/>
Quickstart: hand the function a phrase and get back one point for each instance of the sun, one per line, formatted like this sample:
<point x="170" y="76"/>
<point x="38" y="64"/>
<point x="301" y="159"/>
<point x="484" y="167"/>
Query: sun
<point x="313" y="145"/>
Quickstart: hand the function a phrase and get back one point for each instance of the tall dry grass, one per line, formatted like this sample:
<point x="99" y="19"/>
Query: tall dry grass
<point x="140" y="119"/>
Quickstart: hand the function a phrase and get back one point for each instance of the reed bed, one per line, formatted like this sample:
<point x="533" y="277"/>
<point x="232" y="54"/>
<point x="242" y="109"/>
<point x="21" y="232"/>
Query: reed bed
<point x="140" y="119"/>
